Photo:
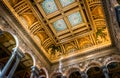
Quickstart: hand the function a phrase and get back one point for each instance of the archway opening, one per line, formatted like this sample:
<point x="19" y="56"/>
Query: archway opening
<point x="95" y="72"/>
<point x="42" y="74"/>
<point x="57" y="75"/>
<point x="75" y="74"/>
<point x="24" y="68"/>
<point x="114" y="69"/>
<point x="7" y="43"/>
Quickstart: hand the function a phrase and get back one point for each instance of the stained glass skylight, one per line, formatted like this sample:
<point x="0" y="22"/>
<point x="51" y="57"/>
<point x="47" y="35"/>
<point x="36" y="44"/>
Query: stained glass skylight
<point x="49" y="6"/>
<point x="59" y="25"/>
<point x="66" y="2"/>
<point x="75" y="18"/>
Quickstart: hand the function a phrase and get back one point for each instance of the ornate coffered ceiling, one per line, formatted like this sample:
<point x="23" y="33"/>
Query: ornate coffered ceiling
<point x="62" y="28"/>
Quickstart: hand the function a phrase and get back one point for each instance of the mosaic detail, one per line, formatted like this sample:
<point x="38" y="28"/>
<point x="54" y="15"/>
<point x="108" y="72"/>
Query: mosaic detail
<point x="75" y="18"/>
<point x="66" y="2"/>
<point x="49" y="6"/>
<point x="59" y="25"/>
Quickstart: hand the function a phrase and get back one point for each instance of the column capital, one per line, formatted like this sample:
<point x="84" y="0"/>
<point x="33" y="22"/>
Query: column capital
<point x="19" y="54"/>
<point x="105" y="69"/>
<point x="35" y="70"/>
<point x="84" y="75"/>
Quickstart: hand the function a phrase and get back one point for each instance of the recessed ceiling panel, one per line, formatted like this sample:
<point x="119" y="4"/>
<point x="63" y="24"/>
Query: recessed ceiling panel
<point x="75" y="18"/>
<point x="66" y="2"/>
<point x="49" y="6"/>
<point x="59" y="25"/>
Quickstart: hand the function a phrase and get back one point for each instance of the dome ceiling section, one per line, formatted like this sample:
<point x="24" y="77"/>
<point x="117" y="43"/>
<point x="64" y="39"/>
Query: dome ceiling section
<point x="65" y="18"/>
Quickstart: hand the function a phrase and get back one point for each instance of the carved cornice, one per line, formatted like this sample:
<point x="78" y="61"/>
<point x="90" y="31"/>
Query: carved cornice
<point x="81" y="61"/>
<point x="87" y="64"/>
<point x="96" y="51"/>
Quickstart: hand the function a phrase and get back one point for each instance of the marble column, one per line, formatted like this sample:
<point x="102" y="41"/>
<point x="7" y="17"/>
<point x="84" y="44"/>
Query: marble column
<point x="6" y="67"/>
<point x="32" y="75"/>
<point x="19" y="56"/>
<point x="84" y="75"/>
<point x="35" y="72"/>
<point x="105" y="71"/>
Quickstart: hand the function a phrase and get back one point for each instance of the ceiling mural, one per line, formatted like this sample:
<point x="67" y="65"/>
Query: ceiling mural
<point x="49" y="6"/>
<point x="59" y="25"/>
<point x="75" y="18"/>
<point x="66" y="2"/>
<point x="64" y="28"/>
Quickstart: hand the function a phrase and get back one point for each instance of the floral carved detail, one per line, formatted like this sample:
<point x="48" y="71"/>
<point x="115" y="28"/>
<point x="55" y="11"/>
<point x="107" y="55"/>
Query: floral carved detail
<point x="54" y="51"/>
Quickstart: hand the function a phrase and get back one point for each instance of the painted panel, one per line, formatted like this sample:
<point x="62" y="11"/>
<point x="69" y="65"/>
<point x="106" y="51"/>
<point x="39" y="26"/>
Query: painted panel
<point x="49" y="6"/>
<point x="66" y="2"/>
<point x="75" y="18"/>
<point x="59" y="25"/>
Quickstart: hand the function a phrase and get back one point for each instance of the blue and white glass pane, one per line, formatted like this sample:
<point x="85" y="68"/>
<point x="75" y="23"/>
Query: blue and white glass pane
<point x="49" y="6"/>
<point x="59" y="25"/>
<point x="75" y="18"/>
<point x="66" y="2"/>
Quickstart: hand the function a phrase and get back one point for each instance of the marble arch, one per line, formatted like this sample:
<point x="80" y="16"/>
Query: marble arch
<point x="19" y="45"/>
<point x="71" y="70"/>
<point x="54" y="74"/>
<point x="15" y="37"/>
<point x="92" y="64"/>
<point x="114" y="58"/>
<point x="46" y="72"/>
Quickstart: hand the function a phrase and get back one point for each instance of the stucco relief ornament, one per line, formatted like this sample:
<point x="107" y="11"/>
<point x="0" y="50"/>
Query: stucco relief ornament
<point x="23" y="47"/>
<point x="38" y="62"/>
<point x="54" y="51"/>
<point x="3" y="23"/>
